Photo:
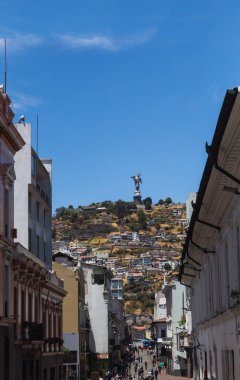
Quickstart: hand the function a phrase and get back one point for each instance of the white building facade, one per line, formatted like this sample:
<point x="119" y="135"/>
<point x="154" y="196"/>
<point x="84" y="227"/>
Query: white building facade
<point x="32" y="198"/>
<point x="175" y="294"/>
<point x="107" y="333"/>
<point x="189" y="209"/>
<point x="211" y="255"/>
<point x="37" y="292"/>
<point x="159" y="324"/>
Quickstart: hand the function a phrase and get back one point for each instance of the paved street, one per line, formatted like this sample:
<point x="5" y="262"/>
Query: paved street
<point x="149" y="359"/>
<point x="164" y="376"/>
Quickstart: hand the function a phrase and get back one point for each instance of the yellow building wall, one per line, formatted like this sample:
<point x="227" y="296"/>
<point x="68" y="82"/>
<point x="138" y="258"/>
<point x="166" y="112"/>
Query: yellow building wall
<point x="70" y="302"/>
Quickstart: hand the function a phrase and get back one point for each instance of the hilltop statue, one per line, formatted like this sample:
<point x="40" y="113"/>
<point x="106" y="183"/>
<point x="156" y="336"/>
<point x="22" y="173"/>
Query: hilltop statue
<point x="137" y="198"/>
<point x="137" y="180"/>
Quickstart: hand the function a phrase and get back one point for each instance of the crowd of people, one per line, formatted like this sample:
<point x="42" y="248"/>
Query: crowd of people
<point x="137" y="364"/>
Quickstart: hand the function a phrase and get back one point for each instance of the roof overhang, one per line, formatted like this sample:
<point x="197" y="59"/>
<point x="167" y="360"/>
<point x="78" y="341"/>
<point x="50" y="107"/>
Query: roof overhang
<point x="213" y="204"/>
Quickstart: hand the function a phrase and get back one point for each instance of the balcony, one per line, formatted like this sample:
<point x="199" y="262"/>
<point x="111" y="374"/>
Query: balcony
<point x="32" y="331"/>
<point x="185" y="341"/>
<point x="167" y="341"/>
<point x="53" y="344"/>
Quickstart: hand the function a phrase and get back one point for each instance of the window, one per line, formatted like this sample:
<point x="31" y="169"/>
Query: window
<point x="33" y="165"/>
<point x="38" y="211"/>
<point x="6" y="360"/>
<point x="44" y="251"/>
<point x="30" y="239"/>
<point x="114" y="284"/>
<point x="37" y="370"/>
<point x="36" y="309"/>
<point x="6" y="212"/>
<point x="15" y="309"/>
<point x="29" y="307"/>
<point x="226" y="252"/>
<point x="38" y="246"/>
<point x="228" y="364"/>
<point x="44" y="218"/>
<point x="6" y="290"/>
<point x="30" y="203"/>
<point x="52" y="373"/>
<point x="98" y="279"/>
<point x="238" y="254"/>
<point x="23" y="306"/>
<point x="163" y="333"/>
<point x="31" y="369"/>
<point x="115" y="294"/>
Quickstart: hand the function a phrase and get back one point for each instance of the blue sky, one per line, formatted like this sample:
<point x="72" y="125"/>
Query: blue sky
<point x="121" y="87"/>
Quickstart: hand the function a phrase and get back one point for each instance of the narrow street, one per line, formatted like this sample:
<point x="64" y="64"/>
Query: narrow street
<point x="146" y="357"/>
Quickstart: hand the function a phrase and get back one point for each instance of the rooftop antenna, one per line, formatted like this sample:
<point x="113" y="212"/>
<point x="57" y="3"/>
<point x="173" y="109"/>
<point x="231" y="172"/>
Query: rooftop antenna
<point x="5" y="65"/>
<point x="37" y="133"/>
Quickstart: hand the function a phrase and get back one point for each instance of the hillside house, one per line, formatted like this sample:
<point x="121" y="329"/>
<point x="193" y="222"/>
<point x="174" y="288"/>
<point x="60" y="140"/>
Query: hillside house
<point x="134" y="276"/>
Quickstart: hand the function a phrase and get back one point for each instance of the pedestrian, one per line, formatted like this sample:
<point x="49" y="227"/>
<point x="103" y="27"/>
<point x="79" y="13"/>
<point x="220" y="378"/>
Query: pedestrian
<point x="156" y="373"/>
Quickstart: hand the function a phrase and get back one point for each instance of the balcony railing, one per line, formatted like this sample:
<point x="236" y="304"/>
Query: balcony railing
<point x="167" y="340"/>
<point x="53" y="344"/>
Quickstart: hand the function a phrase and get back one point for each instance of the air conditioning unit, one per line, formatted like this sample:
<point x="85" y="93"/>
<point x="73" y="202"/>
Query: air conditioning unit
<point x="13" y="233"/>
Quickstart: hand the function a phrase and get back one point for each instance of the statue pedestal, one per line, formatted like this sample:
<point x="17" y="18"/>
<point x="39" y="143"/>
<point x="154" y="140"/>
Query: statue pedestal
<point x="137" y="198"/>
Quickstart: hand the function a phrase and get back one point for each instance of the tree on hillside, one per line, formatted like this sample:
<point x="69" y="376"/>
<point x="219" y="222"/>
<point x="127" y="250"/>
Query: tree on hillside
<point x="161" y="202"/>
<point x="142" y="220"/>
<point x="60" y="212"/>
<point x="106" y="204"/>
<point x="168" y="200"/>
<point x="148" y="203"/>
<point x="120" y="208"/>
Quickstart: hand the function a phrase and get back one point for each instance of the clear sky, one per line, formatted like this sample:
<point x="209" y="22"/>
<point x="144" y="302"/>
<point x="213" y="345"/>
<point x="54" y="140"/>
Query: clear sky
<point x="121" y="87"/>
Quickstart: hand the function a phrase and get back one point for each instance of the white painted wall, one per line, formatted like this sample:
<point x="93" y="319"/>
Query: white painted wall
<point x="23" y="178"/>
<point x="191" y="198"/>
<point x="24" y="184"/>
<point x="216" y="315"/>
<point x="160" y="308"/>
<point x="98" y="312"/>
